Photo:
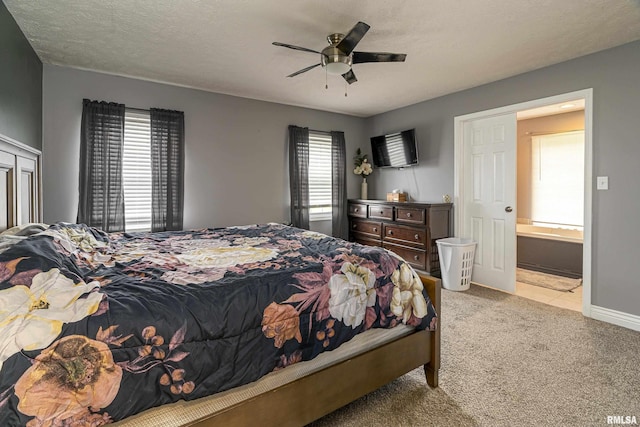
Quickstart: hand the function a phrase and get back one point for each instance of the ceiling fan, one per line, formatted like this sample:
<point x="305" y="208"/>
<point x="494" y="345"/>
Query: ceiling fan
<point x="339" y="56"/>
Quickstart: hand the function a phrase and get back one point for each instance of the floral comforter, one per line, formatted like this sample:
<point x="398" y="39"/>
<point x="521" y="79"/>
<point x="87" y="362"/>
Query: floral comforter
<point x="97" y="327"/>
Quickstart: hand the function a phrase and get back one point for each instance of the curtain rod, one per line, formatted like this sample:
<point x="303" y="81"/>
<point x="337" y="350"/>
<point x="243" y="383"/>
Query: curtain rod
<point x="313" y="130"/>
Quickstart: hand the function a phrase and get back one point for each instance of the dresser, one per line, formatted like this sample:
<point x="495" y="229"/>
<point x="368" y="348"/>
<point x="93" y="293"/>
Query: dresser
<point x="409" y="229"/>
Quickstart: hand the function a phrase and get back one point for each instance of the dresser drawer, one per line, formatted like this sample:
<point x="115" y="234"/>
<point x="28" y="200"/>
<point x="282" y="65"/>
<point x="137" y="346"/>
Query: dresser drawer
<point x="405" y="235"/>
<point x="411" y="215"/>
<point x="381" y="212"/>
<point x="374" y="229"/>
<point x="414" y="257"/>
<point x="365" y="239"/>
<point x="356" y="209"/>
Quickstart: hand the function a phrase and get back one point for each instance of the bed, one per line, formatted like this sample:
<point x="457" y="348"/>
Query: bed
<point x="96" y="328"/>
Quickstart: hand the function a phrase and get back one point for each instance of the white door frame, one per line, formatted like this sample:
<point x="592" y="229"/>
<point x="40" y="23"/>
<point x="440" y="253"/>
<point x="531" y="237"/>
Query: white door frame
<point x="458" y="195"/>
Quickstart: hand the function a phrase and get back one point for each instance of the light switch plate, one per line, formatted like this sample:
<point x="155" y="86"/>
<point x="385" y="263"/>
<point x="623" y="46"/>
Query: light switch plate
<point x="602" y="183"/>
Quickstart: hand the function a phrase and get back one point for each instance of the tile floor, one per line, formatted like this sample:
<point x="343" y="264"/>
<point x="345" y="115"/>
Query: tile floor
<point x="570" y="300"/>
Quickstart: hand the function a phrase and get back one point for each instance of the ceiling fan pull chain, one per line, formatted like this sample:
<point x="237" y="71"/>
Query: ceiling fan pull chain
<point x="345" y="88"/>
<point x="326" y="83"/>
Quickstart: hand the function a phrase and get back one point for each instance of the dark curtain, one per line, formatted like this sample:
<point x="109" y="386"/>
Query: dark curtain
<point x="101" y="201"/>
<point x="299" y="175"/>
<point x="339" y="223"/>
<point x="167" y="169"/>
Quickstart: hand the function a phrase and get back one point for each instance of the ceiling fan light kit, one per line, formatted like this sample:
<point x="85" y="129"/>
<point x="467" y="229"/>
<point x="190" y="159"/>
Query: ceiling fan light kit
<point x="333" y="59"/>
<point x="339" y="57"/>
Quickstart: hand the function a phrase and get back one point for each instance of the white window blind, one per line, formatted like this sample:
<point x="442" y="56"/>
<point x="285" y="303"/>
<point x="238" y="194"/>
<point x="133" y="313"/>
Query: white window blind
<point x="557" y="181"/>
<point x="136" y="170"/>
<point x="319" y="176"/>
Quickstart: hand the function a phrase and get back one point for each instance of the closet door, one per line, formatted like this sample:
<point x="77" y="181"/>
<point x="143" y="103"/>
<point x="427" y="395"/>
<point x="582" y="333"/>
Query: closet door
<point x="7" y="193"/>
<point x="27" y="190"/>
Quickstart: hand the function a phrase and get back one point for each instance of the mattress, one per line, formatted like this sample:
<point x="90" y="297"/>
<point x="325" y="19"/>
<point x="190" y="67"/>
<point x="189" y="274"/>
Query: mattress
<point x="186" y="412"/>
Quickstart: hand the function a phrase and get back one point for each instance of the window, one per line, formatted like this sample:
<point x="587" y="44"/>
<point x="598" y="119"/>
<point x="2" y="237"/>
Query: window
<point x="136" y="170"/>
<point x="319" y="176"/>
<point x="557" y="179"/>
<point x="133" y="157"/>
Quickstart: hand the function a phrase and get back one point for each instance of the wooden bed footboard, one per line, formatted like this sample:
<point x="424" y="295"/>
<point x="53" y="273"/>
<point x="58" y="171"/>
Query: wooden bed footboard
<point x="432" y="285"/>
<point x="309" y="398"/>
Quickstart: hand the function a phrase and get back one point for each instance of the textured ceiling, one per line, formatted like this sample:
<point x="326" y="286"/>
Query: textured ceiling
<point x="225" y="45"/>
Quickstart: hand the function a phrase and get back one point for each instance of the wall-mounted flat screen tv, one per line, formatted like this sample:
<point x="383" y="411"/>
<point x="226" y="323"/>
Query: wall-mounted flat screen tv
<point x="395" y="150"/>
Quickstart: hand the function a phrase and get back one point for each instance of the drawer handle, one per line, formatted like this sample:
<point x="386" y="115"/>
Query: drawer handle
<point x="408" y="214"/>
<point x="355" y="226"/>
<point x="416" y="257"/>
<point x="375" y="228"/>
<point x="390" y="232"/>
<point x="381" y="212"/>
<point x="417" y="236"/>
<point x="356" y="210"/>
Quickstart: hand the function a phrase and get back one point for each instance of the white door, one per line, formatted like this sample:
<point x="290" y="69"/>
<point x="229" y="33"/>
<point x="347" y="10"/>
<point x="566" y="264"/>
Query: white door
<point x="489" y="193"/>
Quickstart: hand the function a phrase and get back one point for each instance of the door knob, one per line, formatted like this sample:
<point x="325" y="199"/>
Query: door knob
<point x="508" y="209"/>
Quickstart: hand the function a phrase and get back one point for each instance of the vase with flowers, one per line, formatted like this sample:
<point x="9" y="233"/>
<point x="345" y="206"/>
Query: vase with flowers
<point x="362" y="168"/>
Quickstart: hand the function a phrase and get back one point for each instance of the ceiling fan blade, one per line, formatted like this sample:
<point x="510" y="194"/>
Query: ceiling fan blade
<point x="290" y="46"/>
<point x="350" y="77"/>
<point x="349" y="42"/>
<point x="304" y="70"/>
<point x="361" y="57"/>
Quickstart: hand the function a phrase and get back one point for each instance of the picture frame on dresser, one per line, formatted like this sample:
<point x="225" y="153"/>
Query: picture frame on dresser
<point x="409" y="229"/>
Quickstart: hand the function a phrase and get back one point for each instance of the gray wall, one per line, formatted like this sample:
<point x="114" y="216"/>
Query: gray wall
<point x="20" y="84"/>
<point x="236" y="158"/>
<point x="614" y="75"/>
<point x="236" y="169"/>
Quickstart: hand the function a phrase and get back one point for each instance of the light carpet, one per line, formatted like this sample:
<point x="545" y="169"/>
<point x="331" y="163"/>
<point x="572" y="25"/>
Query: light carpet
<point x="550" y="281"/>
<point x="510" y="361"/>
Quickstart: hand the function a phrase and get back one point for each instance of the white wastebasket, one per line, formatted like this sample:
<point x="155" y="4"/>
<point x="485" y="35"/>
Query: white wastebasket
<point x="456" y="262"/>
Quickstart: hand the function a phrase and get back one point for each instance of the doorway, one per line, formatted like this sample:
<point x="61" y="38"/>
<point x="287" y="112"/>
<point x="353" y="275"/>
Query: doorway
<point x="497" y="253"/>
<point x="550" y="200"/>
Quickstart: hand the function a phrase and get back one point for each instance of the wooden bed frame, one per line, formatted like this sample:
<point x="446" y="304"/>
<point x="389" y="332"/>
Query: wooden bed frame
<point x="307" y="399"/>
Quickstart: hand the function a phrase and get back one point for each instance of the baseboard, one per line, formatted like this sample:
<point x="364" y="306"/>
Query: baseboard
<point x="619" y="318"/>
